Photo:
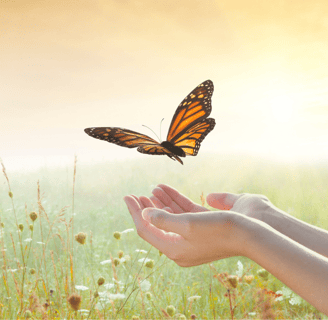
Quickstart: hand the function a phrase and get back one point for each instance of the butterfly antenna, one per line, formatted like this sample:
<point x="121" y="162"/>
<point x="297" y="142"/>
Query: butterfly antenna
<point x="153" y="132"/>
<point x="160" y="131"/>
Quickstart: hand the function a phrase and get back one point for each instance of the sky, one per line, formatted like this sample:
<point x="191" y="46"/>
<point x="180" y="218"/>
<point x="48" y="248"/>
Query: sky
<point x="68" y="65"/>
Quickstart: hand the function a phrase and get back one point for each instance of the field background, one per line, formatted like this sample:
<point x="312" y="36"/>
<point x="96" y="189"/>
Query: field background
<point x="299" y="189"/>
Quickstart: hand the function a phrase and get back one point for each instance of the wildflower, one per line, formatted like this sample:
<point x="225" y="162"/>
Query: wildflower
<point x="170" y="310"/>
<point x="125" y="259"/>
<point x="120" y="254"/>
<point x="75" y="301"/>
<point x="295" y="300"/>
<point x="182" y="317"/>
<point x="33" y="216"/>
<point x="28" y="314"/>
<point x="144" y="260"/>
<point x="240" y="269"/>
<point x="21" y="227"/>
<point x="101" y="281"/>
<point x="263" y="274"/>
<point x="96" y="294"/>
<point x="117" y="296"/>
<point x="193" y="298"/>
<point x="81" y="237"/>
<point x="233" y="280"/>
<point x="10" y="194"/>
<point x="193" y="317"/>
<point x="141" y="251"/>
<point x="80" y="287"/>
<point x="127" y="230"/>
<point x="32" y="271"/>
<point x="150" y="264"/>
<point x="109" y="286"/>
<point x="84" y="312"/>
<point x="249" y="279"/>
<point x="116" y="262"/>
<point x="145" y="286"/>
<point x="117" y="235"/>
<point x="28" y="240"/>
<point x="148" y="295"/>
<point x="106" y="262"/>
<point x="31" y="227"/>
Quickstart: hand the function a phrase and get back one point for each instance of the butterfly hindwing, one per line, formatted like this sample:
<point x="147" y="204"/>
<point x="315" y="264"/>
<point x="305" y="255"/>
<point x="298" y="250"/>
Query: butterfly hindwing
<point x="195" y="107"/>
<point x="193" y="136"/>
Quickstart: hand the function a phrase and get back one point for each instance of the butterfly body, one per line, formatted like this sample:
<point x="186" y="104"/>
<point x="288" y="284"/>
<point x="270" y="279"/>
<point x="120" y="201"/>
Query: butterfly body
<point x="189" y="126"/>
<point x="171" y="147"/>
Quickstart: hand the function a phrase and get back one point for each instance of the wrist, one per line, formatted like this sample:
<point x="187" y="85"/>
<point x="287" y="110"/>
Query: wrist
<point x="273" y="217"/>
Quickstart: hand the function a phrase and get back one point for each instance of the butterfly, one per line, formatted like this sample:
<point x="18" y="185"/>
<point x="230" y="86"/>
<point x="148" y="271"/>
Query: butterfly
<point x="189" y="126"/>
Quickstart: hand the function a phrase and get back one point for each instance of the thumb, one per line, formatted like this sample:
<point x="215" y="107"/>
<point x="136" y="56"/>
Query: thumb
<point x="222" y="201"/>
<point x="164" y="220"/>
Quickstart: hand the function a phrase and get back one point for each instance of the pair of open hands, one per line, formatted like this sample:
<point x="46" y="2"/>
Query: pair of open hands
<point x="190" y="234"/>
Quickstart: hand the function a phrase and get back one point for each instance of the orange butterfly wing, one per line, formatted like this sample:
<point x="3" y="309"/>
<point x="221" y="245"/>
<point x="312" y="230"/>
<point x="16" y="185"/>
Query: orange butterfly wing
<point x="190" y="125"/>
<point x="129" y="139"/>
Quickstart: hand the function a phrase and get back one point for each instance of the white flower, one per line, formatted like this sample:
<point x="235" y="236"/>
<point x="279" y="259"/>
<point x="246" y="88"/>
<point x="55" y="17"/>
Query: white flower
<point x="281" y="297"/>
<point x="252" y="313"/>
<point x="193" y="298"/>
<point x="286" y="292"/>
<point x="101" y="304"/>
<point x="40" y="242"/>
<point x="144" y="260"/>
<point x="106" y="262"/>
<point x="28" y="240"/>
<point x="82" y="288"/>
<point x="127" y="230"/>
<point x="126" y="258"/>
<point x="145" y="285"/>
<point x="108" y="286"/>
<point x="117" y="296"/>
<point x="240" y="269"/>
<point x="84" y="311"/>
<point x="141" y="251"/>
<point x="295" y="300"/>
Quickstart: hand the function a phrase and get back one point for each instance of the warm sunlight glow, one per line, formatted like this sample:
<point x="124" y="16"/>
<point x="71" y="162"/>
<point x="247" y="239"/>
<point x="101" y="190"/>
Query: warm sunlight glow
<point x="282" y="108"/>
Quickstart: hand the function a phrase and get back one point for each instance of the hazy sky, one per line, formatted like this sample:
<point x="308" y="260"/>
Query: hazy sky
<point x="67" y="65"/>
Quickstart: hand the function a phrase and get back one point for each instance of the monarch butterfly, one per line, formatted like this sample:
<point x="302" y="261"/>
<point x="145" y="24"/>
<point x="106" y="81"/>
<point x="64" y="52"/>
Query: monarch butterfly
<point x="189" y="126"/>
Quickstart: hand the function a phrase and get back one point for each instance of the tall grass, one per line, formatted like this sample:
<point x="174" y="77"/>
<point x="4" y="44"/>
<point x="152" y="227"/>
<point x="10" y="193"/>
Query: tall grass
<point x="74" y="261"/>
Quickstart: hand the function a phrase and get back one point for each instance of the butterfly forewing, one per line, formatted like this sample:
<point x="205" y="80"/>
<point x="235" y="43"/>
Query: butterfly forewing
<point x="193" y="109"/>
<point x="122" y="137"/>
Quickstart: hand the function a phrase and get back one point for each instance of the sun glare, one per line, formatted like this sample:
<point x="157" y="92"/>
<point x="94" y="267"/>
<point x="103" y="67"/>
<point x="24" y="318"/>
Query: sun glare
<point x="282" y="108"/>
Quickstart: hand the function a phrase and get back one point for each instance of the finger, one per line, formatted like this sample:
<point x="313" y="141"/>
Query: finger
<point x="168" y="209"/>
<point x="182" y="201"/>
<point x="146" y="202"/>
<point x="160" y="239"/>
<point x="169" y="222"/>
<point x="158" y="203"/>
<point x="222" y="201"/>
<point x="166" y="200"/>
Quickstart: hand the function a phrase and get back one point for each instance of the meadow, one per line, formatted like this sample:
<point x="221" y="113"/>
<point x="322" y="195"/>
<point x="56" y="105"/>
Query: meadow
<point x="81" y="258"/>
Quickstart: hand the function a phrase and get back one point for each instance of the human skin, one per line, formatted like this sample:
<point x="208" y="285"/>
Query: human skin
<point x="247" y="225"/>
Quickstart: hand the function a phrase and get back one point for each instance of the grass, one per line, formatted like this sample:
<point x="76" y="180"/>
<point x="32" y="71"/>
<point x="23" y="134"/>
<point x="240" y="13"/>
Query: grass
<point x="47" y="274"/>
